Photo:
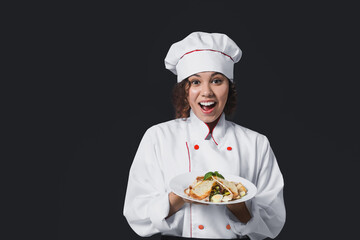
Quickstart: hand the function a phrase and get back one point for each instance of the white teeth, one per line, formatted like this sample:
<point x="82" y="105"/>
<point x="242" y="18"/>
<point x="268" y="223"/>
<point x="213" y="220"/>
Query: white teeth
<point x="207" y="103"/>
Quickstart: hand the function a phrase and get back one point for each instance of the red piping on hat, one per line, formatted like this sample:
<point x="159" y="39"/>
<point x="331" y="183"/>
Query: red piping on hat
<point x="198" y="50"/>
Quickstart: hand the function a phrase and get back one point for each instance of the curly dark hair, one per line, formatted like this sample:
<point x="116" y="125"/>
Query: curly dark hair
<point x="182" y="107"/>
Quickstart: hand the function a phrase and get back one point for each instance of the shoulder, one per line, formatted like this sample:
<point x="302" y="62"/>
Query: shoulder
<point x="247" y="133"/>
<point x="167" y="128"/>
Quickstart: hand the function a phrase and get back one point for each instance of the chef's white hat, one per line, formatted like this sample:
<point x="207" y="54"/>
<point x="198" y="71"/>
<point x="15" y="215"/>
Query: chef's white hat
<point x="200" y="52"/>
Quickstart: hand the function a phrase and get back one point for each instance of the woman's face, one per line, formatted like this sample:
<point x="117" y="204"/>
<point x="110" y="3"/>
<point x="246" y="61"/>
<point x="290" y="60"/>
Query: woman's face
<point x="208" y="94"/>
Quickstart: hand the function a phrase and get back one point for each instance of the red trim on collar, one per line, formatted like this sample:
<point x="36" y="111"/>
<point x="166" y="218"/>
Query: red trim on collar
<point x="209" y="131"/>
<point x="198" y="50"/>
<point x="212" y="136"/>
<point x="214" y="139"/>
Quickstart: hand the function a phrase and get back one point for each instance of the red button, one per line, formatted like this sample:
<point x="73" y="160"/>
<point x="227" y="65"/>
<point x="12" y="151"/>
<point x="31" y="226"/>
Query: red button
<point x="228" y="227"/>
<point x="229" y="148"/>
<point x="201" y="227"/>
<point x="196" y="147"/>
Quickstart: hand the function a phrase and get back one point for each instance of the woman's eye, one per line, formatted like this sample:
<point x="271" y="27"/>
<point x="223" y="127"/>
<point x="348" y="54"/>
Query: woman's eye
<point x="195" y="82"/>
<point x="217" y="81"/>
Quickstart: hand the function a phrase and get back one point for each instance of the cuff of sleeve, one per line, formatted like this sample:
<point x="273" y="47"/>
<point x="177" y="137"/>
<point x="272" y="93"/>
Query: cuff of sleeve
<point x="236" y="226"/>
<point x="243" y="229"/>
<point x="251" y="228"/>
<point x="158" y="211"/>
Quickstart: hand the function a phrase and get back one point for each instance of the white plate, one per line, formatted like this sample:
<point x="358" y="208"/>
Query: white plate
<point x="180" y="182"/>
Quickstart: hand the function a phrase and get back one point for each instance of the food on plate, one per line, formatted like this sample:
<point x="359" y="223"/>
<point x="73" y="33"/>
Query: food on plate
<point x="202" y="189"/>
<point x="215" y="188"/>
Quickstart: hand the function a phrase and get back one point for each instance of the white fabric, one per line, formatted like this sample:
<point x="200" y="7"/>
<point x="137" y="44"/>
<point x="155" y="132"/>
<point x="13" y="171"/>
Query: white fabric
<point x="200" y="52"/>
<point x="167" y="149"/>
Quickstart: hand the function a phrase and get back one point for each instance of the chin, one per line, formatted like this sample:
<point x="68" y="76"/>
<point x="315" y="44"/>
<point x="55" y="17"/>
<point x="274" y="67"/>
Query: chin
<point x="209" y="119"/>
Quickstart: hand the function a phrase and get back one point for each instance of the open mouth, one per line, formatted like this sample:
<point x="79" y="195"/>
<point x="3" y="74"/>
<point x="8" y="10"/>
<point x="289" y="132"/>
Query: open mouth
<point x="207" y="107"/>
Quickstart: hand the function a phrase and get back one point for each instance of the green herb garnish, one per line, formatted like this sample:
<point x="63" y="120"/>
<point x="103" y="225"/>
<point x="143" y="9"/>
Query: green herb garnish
<point x="219" y="175"/>
<point x="210" y="174"/>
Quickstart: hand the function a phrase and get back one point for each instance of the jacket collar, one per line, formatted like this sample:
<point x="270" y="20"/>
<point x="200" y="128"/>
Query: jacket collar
<point x="201" y="130"/>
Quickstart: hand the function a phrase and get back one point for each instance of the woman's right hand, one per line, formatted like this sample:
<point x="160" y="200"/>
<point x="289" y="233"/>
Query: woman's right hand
<point x="176" y="203"/>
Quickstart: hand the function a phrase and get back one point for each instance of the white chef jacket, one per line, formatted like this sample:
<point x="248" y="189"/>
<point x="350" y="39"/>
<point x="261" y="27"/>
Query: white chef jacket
<point x="185" y="145"/>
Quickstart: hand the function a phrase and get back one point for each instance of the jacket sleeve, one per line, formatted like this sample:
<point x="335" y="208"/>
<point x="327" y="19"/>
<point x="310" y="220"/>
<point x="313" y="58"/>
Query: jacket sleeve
<point x="146" y="201"/>
<point x="267" y="207"/>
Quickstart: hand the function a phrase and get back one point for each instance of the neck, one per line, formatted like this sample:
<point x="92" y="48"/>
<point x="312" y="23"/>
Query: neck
<point x="213" y="124"/>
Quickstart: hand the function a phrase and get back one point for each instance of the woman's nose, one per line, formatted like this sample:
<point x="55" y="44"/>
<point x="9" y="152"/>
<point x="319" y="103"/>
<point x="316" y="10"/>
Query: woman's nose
<point x="206" y="91"/>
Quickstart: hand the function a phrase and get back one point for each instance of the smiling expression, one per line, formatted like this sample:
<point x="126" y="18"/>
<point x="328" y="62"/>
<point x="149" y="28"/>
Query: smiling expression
<point x="208" y="94"/>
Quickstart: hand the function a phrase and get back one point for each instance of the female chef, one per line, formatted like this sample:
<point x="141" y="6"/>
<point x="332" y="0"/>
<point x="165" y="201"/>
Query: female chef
<point x="200" y="139"/>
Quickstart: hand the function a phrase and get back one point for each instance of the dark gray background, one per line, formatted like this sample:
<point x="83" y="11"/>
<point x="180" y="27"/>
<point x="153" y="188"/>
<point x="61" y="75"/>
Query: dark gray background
<point x="296" y="84"/>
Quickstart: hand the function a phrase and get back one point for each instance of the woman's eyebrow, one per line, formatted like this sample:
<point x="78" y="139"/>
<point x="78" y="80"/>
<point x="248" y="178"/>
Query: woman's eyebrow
<point x="215" y="73"/>
<point x="196" y="75"/>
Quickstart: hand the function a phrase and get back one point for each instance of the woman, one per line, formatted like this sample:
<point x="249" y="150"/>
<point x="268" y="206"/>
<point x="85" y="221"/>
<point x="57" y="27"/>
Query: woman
<point x="200" y="139"/>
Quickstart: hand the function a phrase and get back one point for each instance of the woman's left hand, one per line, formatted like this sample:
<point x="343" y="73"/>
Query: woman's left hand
<point x="240" y="211"/>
